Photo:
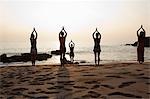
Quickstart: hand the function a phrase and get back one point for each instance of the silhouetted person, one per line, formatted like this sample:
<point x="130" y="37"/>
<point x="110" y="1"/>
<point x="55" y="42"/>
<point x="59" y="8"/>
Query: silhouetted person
<point x="62" y="39"/>
<point x="97" y="48"/>
<point x="33" y="39"/>
<point x="140" y="45"/>
<point x="71" y="46"/>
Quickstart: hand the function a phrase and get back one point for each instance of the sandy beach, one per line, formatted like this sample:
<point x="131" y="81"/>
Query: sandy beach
<point x="107" y="81"/>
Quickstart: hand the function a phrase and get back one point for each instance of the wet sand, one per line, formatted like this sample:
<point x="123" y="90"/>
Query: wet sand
<point x="107" y="81"/>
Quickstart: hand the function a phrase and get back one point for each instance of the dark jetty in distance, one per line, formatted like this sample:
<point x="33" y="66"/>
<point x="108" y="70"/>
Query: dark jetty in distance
<point x="146" y="42"/>
<point x="55" y="52"/>
<point x="24" y="57"/>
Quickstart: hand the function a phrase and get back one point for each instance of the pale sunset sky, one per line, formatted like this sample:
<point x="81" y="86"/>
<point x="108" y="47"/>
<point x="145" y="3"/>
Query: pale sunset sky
<point x="116" y="20"/>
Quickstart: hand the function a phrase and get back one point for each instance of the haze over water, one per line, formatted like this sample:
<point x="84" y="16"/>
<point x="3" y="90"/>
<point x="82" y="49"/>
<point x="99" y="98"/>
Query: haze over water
<point x="116" y="20"/>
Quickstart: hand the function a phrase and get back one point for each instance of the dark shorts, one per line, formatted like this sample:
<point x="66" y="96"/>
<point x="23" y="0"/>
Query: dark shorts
<point x="71" y="54"/>
<point x="97" y="49"/>
<point x="62" y="50"/>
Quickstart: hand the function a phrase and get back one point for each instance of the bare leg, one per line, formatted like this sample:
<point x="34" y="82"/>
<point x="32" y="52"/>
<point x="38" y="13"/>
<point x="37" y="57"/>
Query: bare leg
<point x="63" y="55"/>
<point x="32" y="59"/>
<point x="98" y="57"/>
<point x="35" y="58"/>
<point x="34" y="63"/>
<point x="95" y="57"/>
<point x="61" y="58"/>
<point x="72" y="58"/>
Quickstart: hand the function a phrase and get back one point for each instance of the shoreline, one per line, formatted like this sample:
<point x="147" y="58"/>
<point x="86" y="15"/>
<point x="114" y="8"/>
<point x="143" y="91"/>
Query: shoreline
<point x="19" y="64"/>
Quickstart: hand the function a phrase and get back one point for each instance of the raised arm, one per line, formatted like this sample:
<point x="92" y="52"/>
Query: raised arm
<point x="99" y="36"/>
<point x="65" y="32"/>
<point x="93" y="35"/>
<point x="32" y="34"/>
<point x="35" y="33"/>
<point x="142" y="28"/>
<point x="32" y="31"/>
<point x="138" y="30"/>
<point x="60" y="33"/>
<point x="70" y="44"/>
<point x="73" y="44"/>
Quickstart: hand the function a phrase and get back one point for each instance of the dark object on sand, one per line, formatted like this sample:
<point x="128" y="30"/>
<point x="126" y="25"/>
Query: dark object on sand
<point x="55" y="52"/>
<point x="135" y="43"/>
<point x="83" y="61"/>
<point x="24" y="57"/>
<point x="146" y="42"/>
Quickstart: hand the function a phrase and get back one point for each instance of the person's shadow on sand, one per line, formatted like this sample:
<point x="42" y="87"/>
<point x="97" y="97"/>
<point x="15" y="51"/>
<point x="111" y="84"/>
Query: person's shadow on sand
<point x="64" y="85"/>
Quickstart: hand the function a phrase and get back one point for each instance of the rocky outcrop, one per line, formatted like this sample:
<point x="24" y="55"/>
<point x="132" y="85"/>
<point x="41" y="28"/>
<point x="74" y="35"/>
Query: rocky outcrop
<point x="55" y="52"/>
<point x="24" y="57"/>
<point x="146" y="42"/>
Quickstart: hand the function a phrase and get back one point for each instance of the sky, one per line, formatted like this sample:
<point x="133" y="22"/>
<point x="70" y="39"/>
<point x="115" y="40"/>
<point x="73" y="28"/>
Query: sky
<point x="116" y="20"/>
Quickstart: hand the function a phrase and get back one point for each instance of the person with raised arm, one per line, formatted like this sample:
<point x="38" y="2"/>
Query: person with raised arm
<point x="140" y="45"/>
<point x="71" y="46"/>
<point x="62" y="39"/>
<point x="33" y="41"/>
<point x="97" y="49"/>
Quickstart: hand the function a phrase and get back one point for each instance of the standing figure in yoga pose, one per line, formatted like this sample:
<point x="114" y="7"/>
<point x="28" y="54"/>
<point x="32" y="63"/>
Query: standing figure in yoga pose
<point x="97" y="49"/>
<point x="62" y="39"/>
<point x="140" y="45"/>
<point x="33" y="51"/>
<point x="71" y="46"/>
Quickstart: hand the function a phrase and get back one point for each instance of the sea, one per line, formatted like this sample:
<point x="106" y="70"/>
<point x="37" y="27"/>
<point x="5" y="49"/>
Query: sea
<point x="83" y="54"/>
